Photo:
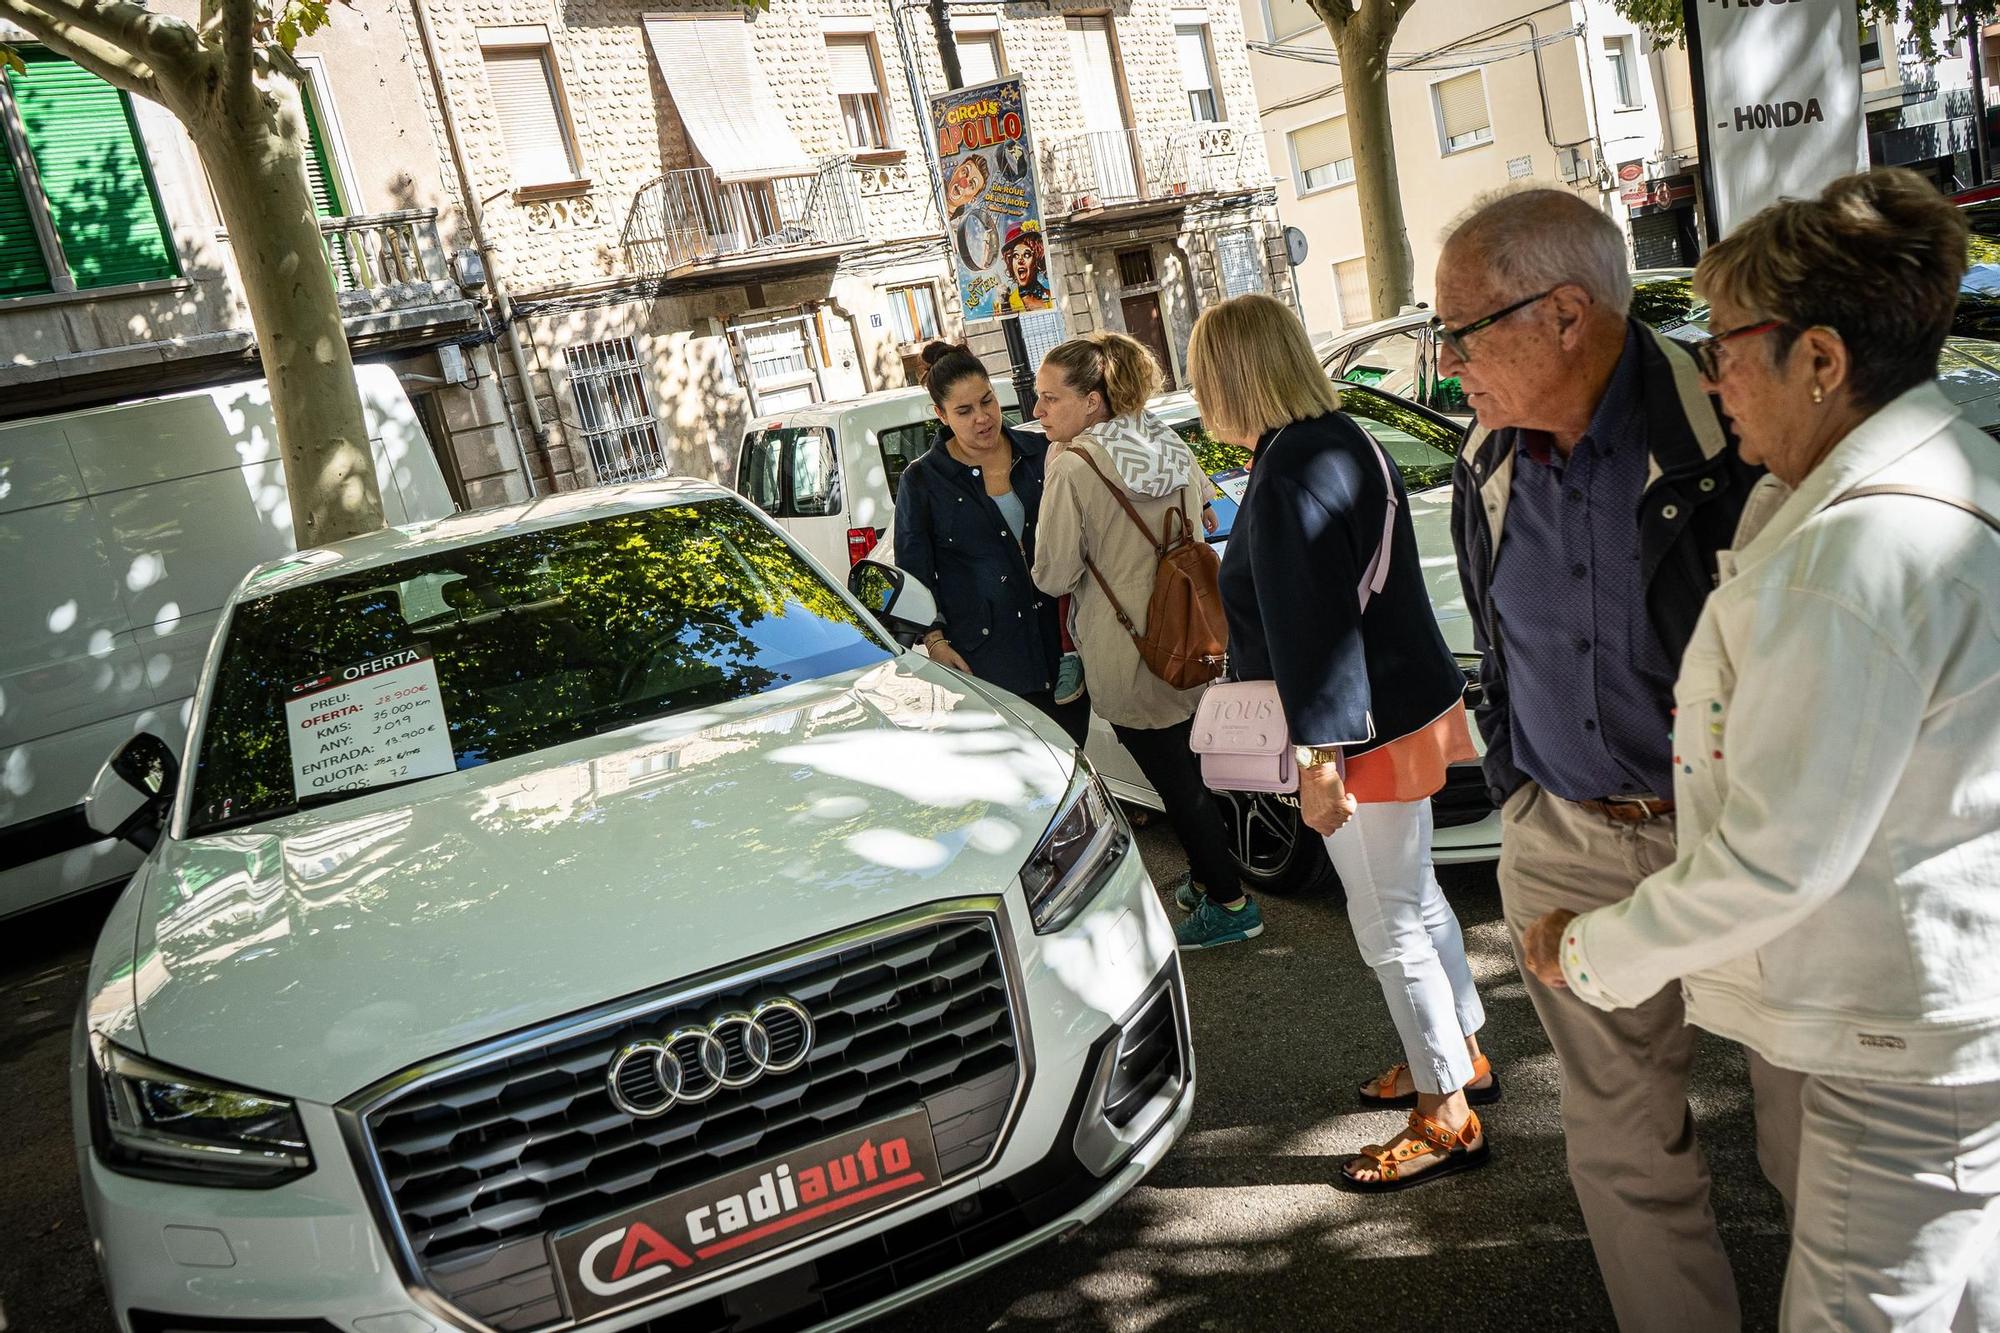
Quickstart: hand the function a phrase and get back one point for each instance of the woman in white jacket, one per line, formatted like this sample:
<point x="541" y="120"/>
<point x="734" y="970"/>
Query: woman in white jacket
<point x="1835" y="905"/>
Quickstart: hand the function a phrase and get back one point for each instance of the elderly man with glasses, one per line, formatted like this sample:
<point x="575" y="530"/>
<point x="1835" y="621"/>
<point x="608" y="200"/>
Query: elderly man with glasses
<point x="1589" y="503"/>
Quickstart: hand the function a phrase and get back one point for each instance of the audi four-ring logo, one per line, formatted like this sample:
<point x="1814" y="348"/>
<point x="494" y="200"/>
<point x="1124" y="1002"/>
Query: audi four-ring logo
<point x="651" y="1076"/>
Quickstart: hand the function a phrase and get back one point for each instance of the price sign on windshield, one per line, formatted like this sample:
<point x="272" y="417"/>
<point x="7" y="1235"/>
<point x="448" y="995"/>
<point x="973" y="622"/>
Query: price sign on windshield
<point x="369" y="723"/>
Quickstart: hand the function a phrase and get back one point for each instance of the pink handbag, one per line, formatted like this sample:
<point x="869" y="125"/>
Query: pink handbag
<point x="1240" y="730"/>
<point x="1241" y="736"/>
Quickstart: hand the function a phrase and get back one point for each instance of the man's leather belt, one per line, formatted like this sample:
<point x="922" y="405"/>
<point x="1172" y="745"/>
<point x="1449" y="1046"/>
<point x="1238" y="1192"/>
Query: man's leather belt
<point x="1630" y="809"/>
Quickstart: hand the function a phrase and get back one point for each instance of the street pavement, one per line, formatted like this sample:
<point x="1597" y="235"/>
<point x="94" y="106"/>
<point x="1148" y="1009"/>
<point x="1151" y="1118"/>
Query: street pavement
<point x="1240" y="1227"/>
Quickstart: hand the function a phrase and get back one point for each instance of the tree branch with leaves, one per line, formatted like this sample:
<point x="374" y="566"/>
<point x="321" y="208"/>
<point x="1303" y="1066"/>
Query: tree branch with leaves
<point x="1665" y="20"/>
<point x="231" y="80"/>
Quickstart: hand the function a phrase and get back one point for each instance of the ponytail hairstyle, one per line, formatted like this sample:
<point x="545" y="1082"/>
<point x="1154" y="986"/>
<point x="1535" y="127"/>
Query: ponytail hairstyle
<point x="946" y="365"/>
<point x="1118" y="369"/>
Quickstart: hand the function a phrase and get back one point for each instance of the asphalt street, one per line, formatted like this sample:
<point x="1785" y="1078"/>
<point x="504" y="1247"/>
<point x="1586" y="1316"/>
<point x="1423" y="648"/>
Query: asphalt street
<point x="1240" y="1227"/>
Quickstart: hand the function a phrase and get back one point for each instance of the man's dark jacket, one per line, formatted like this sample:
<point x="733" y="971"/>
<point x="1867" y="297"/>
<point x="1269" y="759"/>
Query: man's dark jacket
<point x="1695" y="489"/>
<point x="950" y="535"/>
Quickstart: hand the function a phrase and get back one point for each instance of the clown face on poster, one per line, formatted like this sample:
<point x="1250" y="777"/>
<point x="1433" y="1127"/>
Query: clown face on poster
<point x="993" y="212"/>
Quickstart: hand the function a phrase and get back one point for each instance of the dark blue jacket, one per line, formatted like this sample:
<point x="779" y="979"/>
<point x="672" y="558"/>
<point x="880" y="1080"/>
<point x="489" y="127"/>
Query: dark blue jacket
<point x="1310" y="522"/>
<point x="950" y="534"/>
<point x="1688" y="512"/>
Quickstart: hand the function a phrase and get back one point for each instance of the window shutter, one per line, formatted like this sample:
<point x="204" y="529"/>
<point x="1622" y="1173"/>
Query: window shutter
<point x="978" y="57"/>
<point x="1322" y="145"/>
<point x="850" y="64"/>
<point x="1350" y="280"/>
<point x="1193" y="42"/>
<point x="93" y="173"/>
<point x="1289" y="17"/>
<point x="327" y="200"/>
<point x="22" y="268"/>
<point x="531" y="123"/>
<point x="1462" y="105"/>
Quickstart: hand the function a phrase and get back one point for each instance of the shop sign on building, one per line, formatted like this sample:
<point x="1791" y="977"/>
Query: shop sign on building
<point x="992" y="204"/>
<point x="1780" y="99"/>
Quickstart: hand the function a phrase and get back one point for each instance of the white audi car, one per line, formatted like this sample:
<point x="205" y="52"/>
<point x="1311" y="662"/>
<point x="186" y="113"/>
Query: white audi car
<point x="587" y="914"/>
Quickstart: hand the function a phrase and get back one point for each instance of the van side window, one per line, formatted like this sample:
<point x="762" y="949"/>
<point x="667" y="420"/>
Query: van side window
<point x="790" y="472"/>
<point x="760" y="473"/>
<point x="902" y="446"/>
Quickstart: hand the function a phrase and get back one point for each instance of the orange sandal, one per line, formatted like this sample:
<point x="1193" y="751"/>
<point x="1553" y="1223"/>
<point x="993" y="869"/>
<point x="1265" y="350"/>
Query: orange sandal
<point x="1381" y="1092"/>
<point x="1424" y="1138"/>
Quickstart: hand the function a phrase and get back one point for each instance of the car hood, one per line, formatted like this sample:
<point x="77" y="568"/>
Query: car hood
<point x="1430" y="515"/>
<point x="319" y="953"/>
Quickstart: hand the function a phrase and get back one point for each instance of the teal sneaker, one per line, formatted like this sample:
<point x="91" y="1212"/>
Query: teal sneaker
<point x="1186" y="896"/>
<point x="1210" y="925"/>
<point x="1069" y="679"/>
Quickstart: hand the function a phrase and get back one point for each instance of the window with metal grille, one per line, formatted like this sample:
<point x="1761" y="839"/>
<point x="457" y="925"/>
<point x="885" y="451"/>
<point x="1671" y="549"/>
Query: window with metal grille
<point x="1135" y="267"/>
<point x="857" y="83"/>
<point x="913" y="312"/>
<point x="1198" y="72"/>
<point x="1350" y="289"/>
<point x="1462" y="118"/>
<point x="1242" y="267"/>
<point x="528" y="105"/>
<point x="615" y="410"/>
<point x="78" y="207"/>
<point x="1322" y="156"/>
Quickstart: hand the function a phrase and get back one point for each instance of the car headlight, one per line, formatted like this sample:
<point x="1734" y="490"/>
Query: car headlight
<point x="1076" y="855"/>
<point x="164" y="1124"/>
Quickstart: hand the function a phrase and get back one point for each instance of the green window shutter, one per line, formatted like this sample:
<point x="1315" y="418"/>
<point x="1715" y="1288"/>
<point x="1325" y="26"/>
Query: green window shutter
<point x="320" y="175"/>
<point x="22" y="268"/>
<point x="94" y="173"/>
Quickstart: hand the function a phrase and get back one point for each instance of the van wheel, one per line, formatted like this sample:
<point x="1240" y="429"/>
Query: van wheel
<point x="1273" y="849"/>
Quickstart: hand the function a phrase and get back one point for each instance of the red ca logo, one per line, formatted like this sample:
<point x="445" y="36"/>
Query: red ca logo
<point x="644" y="1255"/>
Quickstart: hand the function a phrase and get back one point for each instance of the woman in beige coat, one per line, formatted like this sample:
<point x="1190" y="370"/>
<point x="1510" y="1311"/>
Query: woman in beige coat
<point x="1106" y="452"/>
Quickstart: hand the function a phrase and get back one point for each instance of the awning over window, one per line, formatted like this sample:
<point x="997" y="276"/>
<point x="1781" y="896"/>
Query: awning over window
<point x="712" y="72"/>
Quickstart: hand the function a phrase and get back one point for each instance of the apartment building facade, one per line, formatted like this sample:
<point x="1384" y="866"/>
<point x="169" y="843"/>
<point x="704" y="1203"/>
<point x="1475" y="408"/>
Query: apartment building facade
<point x="705" y="213"/>
<point x="117" y="278"/>
<point x="1570" y="95"/>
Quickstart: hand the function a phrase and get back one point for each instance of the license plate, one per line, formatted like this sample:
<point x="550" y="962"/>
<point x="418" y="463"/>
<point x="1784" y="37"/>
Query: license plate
<point x="658" y="1247"/>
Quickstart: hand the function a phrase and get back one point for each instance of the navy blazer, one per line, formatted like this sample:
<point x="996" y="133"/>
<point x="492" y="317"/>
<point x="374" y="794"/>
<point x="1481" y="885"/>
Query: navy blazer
<point x="1310" y="522"/>
<point x="950" y="534"/>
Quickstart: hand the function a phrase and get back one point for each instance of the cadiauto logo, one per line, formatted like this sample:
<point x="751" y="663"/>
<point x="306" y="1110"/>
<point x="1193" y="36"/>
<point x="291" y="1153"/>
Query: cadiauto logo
<point x="650" y="1249"/>
<point x="650" y="1077"/>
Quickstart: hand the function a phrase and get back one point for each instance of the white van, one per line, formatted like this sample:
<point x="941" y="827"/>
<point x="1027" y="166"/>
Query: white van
<point x="123" y="530"/>
<point x="827" y="472"/>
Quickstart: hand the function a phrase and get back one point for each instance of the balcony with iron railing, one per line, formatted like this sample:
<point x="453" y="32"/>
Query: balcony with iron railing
<point x="689" y="219"/>
<point x="392" y="273"/>
<point x="1132" y="170"/>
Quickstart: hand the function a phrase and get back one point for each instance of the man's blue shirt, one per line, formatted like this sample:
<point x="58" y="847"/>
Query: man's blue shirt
<point x="1589" y="684"/>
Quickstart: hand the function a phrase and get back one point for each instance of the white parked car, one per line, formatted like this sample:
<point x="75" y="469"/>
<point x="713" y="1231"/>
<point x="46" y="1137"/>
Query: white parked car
<point x="587" y="913"/>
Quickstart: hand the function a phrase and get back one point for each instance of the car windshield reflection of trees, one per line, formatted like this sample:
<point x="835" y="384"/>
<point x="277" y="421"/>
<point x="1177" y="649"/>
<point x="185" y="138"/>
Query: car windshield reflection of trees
<point x="1421" y="447"/>
<point x="539" y="637"/>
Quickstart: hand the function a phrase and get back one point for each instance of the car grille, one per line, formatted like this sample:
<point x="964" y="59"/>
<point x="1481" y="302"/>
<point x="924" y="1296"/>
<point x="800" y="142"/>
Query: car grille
<point x="483" y="1163"/>
<point x="1463" y="799"/>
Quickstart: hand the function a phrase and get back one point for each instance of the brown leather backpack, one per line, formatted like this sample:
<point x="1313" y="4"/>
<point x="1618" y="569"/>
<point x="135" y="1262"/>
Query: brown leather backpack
<point x="1185" y="632"/>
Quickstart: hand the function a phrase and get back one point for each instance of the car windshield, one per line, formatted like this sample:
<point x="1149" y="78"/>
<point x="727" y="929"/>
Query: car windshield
<point x="1420" y="446"/>
<point x="469" y="655"/>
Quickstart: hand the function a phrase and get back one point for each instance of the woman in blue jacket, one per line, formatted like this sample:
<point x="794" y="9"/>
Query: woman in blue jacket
<point x="1324" y="592"/>
<point x="965" y="526"/>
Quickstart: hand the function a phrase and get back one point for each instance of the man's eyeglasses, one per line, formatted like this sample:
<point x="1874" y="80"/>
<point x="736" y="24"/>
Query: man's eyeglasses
<point x="1454" y="339"/>
<point x="1707" y="352"/>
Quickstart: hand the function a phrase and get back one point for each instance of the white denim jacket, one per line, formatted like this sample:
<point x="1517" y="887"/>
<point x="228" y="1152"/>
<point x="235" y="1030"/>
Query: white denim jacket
<point x="1836" y="901"/>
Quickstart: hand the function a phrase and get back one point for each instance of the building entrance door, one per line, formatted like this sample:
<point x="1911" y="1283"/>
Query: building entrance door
<point x="1144" y="322"/>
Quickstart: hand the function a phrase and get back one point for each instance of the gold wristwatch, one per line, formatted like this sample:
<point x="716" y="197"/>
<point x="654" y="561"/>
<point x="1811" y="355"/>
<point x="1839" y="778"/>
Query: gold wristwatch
<point x="1313" y="756"/>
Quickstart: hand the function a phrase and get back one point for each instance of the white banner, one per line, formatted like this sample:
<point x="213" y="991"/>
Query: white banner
<point x="1781" y="80"/>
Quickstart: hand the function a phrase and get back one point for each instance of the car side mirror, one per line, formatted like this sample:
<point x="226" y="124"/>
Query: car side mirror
<point x="899" y="601"/>
<point x="131" y="793"/>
